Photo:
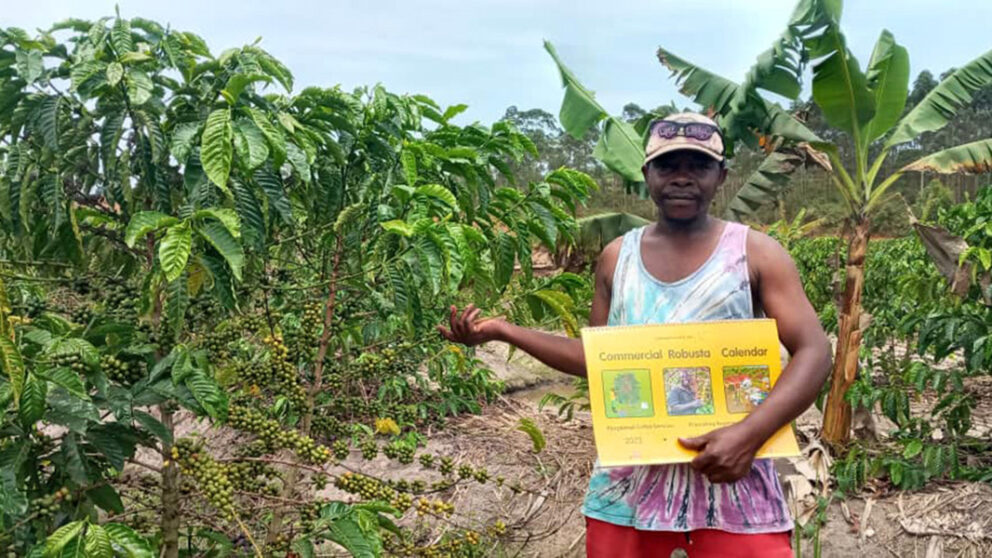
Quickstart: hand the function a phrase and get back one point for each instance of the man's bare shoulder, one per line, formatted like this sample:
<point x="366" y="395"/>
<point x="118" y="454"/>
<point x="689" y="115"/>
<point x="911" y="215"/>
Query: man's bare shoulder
<point x="606" y="264"/>
<point x="766" y="256"/>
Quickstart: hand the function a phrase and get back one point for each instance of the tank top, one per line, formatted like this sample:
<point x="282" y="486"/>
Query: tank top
<point x="676" y="497"/>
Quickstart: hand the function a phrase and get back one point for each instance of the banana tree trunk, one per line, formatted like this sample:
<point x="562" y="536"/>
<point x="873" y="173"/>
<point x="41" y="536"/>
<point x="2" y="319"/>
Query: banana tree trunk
<point x="837" y="415"/>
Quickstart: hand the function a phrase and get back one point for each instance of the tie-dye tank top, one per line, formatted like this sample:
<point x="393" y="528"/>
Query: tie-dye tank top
<point x="676" y="497"/>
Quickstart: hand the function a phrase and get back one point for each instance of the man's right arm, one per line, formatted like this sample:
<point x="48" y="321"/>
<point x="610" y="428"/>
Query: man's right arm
<point x="558" y="352"/>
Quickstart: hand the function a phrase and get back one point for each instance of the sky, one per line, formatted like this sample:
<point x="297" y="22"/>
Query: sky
<point x="488" y="54"/>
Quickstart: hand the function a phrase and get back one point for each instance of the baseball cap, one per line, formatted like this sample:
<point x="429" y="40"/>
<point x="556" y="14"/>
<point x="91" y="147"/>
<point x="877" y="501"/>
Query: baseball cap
<point x="658" y="145"/>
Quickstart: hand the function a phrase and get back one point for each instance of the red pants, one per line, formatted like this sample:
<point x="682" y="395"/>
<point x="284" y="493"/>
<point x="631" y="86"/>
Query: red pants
<point x="606" y="540"/>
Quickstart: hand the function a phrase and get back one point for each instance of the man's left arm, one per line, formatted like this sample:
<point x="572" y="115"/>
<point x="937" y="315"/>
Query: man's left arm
<point x="726" y="454"/>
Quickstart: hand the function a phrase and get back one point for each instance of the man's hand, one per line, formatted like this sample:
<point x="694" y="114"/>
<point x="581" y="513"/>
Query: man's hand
<point x="467" y="329"/>
<point x="725" y="454"/>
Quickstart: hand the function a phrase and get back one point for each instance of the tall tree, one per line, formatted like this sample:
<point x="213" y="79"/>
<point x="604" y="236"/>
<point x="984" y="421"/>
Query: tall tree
<point x="922" y="86"/>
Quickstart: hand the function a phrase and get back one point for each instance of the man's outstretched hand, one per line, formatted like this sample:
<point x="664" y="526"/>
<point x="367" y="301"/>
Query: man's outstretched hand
<point x="468" y="329"/>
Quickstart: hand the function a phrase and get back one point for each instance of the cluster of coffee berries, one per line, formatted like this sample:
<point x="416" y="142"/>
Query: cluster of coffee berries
<point x="402" y="501"/>
<point x="329" y="426"/>
<point x="70" y="360"/>
<point x="82" y="314"/>
<point x="302" y="338"/>
<point x="434" y="507"/>
<point x="253" y="373"/>
<point x="350" y="405"/>
<point x="277" y="547"/>
<point x="406" y="414"/>
<point x="218" y="341"/>
<point x="309" y="514"/>
<point x="446" y="465"/>
<point x="341" y="449"/>
<point x="369" y="448"/>
<point x="34" y="306"/>
<point x="496" y="529"/>
<point x="47" y="506"/>
<point x="334" y="382"/>
<point x="209" y="475"/>
<point x="249" y="476"/>
<point x="253" y="323"/>
<point x="399" y="451"/>
<point x="357" y="407"/>
<point x="472" y="538"/>
<point x="452" y="545"/>
<point x="312" y="321"/>
<point x="387" y="362"/>
<point x="249" y="420"/>
<point x="122" y="372"/>
<point x="203" y="309"/>
<point x="415" y="487"/>
<point x="283" y="372"/>
<point x="374" y="408"/>
<point x="367" y="488"/>
<point x="153" y="333"/>
<point x="119" y="298"/>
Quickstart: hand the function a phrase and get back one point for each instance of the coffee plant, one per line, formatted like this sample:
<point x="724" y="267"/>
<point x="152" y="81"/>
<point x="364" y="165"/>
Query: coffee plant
<point x="191" y="252"/>
<point x="922" y="346"/>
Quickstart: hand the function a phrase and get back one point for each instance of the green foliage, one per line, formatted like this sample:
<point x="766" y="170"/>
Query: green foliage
<point x="818" y="260"/>
<point x="528" y="427"/>
<point x="935" y="198"/>
<point x="620" y="146"/>
<point x="936" y="109"/>
<point x="186" y="237"/>
<point x="971" y="222"/>
<point x="596" y="231"/>
<point x="578" y="400"/>
<point x="766" y="183"/>
<point x="888" y="79"/>
<point x="912" y="375"/>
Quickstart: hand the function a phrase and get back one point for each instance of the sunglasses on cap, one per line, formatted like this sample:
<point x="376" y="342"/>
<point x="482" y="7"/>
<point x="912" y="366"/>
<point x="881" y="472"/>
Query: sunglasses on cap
<point x="669" y="129"/>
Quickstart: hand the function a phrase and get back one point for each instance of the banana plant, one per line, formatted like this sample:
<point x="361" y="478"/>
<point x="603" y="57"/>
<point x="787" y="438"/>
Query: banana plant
<point x="744" y="115"/>
<point x="620" y="146"/>
<point x="865" y="105"/>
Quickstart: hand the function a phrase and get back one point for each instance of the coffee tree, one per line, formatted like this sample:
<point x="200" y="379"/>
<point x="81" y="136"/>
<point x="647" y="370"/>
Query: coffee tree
<point x="186" y="241"/>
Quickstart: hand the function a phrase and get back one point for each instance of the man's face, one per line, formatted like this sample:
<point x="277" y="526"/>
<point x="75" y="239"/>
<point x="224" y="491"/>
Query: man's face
<point x="682" y="183"/>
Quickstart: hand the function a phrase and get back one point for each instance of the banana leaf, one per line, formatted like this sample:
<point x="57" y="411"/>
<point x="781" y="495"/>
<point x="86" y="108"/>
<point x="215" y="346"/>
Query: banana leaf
<point x="940" y="105"/>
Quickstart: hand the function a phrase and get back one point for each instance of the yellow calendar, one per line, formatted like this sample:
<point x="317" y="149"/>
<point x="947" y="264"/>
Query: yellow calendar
<point x="650" y="385"/>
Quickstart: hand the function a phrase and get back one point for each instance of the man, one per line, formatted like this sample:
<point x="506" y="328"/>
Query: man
<point x="689" y="266"/>
<point x="682" y="399"/>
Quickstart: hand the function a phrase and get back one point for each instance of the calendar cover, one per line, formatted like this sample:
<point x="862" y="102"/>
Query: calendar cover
<point x="650" y="385"/>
